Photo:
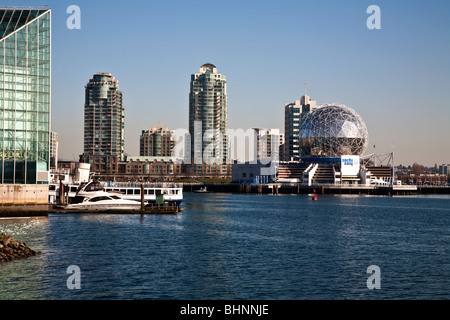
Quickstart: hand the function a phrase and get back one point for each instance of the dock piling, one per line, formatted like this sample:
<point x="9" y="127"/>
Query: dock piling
<point x="142" y="197"/>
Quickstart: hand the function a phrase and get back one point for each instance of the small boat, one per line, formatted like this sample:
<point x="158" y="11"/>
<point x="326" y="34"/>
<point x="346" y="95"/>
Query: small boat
<point x="201" y="190"/>
<point x="92" y="196"/>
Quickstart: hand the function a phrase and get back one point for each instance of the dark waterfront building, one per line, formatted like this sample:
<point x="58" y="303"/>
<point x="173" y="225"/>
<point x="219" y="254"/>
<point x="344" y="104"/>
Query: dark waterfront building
<point x="103" y="124"/>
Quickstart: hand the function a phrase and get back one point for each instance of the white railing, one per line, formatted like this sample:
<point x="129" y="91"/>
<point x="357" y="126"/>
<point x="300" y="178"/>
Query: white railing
<point x="305" y="172"/>
<point x="381" y="181"/>
<point x="311" y="173"/>
<point x="138" y="184"/>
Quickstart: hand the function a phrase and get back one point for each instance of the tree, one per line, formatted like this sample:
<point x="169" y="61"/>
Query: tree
<point x="417" y="169"/>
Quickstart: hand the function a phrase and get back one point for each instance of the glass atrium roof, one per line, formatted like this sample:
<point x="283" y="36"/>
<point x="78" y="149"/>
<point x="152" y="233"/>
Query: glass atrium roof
<point x="14" y="18"/>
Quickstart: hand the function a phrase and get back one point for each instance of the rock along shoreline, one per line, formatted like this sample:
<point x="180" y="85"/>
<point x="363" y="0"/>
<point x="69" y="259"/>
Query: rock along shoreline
<point x="11" y="249"/>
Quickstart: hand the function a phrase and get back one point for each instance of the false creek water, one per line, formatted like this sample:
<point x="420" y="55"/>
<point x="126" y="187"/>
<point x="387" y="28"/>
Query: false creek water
<point x="233" y="246"/>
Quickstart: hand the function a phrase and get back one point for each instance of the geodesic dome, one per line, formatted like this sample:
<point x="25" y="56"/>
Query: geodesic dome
<point x="332" y="131"/>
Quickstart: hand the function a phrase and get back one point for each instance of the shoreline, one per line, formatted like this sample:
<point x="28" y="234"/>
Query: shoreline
<point x="11" y="249"/>
<point x="293" y="188"/>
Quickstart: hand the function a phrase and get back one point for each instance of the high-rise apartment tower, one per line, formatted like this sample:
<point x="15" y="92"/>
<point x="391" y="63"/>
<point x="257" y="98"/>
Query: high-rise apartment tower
<point x="104" y="120"/>
<point x="294" y="113"/>
<point x="208" y="120"/>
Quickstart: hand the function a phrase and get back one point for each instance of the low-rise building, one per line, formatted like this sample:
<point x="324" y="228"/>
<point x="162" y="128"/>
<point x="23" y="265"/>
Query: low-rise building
<point x="253" y="172"/>
<point x="156" y="142"/>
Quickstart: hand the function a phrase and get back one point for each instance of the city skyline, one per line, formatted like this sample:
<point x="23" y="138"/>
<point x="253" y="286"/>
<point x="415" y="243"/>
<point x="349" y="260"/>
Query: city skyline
<point x="395" y="77"/>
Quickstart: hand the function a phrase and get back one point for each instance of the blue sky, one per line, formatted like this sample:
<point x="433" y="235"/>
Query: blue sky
<point x="397" y="78"/>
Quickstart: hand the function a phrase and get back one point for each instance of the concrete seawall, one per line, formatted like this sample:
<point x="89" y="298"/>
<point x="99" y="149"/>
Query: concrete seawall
<point x="23" y="194"/>
<point x="23" y="200"/>
<point x="9" y="211"/>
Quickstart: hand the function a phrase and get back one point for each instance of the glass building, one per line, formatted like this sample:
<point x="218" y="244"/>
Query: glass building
<point x="25" y="46"/>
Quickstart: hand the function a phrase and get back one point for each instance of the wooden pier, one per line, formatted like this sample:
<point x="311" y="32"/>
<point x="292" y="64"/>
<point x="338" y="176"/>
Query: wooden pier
<point x="296" y="188"/>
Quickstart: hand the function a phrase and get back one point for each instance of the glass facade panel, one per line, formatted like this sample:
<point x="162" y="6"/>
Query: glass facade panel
<point x="25" y="45"/>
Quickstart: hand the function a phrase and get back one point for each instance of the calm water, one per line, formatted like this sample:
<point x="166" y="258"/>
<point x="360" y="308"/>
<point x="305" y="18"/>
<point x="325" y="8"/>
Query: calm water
<point x="230" y="246"/>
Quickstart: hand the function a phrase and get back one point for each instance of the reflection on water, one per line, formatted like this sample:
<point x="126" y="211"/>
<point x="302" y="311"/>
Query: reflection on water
<point x="21" y="226"/>
<point x="229" y="246"/>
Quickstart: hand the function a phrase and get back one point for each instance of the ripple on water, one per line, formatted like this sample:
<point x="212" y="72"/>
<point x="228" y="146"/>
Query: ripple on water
<point x="240" y="247"/>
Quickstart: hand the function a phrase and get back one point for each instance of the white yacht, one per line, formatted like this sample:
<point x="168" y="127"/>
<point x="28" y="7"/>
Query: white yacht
<point x="92" y="196"/>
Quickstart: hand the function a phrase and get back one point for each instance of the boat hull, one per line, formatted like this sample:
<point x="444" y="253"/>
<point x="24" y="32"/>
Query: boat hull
<point x="105" y="205"/>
